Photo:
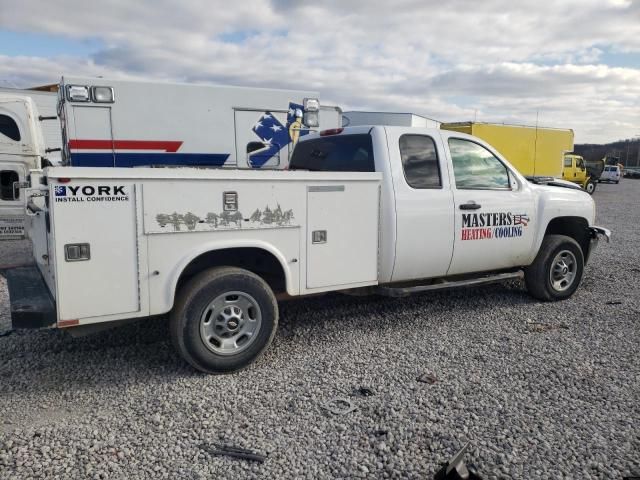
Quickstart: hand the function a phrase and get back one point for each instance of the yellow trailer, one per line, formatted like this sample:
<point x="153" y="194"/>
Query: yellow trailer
<point x="534" y="151"/>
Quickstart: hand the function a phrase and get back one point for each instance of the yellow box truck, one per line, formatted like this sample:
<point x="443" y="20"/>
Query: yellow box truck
<point x="534" y="151"/>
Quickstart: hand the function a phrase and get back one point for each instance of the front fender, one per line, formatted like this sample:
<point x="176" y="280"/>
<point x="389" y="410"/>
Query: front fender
<point x="556" y="203"/>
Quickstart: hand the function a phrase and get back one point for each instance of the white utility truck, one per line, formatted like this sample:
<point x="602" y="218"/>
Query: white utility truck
<point x="114" y="123"/>
<point x="386" y="210"/>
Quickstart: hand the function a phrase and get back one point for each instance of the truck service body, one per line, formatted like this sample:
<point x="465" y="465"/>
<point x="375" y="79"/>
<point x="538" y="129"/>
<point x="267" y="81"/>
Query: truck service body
<point x="533" y="151"/>
<point x="391" y="210"/>
<point x="115" y="123"/>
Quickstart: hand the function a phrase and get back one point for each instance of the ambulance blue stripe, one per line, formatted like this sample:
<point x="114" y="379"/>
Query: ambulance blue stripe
<point x="143" y="159"/>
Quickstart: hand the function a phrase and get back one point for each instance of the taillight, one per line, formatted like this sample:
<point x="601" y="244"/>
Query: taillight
<point x="331" y="131"/>
<point x="64" y="180"/>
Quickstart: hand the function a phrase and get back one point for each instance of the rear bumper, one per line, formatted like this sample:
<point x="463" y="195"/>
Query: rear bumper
<point x="595" y="233"/>
<point x="31" y="302"/>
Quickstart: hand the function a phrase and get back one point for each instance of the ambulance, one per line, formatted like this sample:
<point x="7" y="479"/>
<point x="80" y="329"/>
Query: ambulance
<point x="116" y="123"/>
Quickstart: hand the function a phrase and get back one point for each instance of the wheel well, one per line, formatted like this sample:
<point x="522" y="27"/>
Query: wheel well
<point x="256" y="260"/>
<point x="574" y="227"/>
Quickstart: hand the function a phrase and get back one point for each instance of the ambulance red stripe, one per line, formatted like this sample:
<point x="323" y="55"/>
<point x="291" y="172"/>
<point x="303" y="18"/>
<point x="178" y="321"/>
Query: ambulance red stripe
<point x="167" y="146"/>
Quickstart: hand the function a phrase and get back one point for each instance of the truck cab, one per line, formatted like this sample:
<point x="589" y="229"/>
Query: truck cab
<point x="21" y="150"/>
<point x="451" y="204"/>
<point x="575" y="170"/>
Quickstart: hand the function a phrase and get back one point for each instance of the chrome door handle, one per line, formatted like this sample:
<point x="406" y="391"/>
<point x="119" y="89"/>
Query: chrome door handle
<point x="470" y="206"/>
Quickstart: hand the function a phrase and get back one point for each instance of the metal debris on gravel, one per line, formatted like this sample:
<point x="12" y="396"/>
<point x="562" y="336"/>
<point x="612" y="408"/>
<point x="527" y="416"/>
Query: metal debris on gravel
<point x="562" y="403"/>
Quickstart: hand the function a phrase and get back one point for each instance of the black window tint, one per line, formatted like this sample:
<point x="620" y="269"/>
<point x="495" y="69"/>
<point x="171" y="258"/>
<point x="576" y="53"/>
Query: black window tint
<point x="476" y="167"/>
<point x="420" y="161"/>
<point x="254" y="146"/>
<point x="7" y="177"/>
<point x="9" y="128"/>
<point x="339" y="153"/>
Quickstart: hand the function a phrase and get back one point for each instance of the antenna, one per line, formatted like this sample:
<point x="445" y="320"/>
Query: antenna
<point x="535" y="145"/>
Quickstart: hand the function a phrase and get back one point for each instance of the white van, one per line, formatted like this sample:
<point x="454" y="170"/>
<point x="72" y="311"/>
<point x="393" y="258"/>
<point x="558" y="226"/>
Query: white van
<point x="611" y="173"/>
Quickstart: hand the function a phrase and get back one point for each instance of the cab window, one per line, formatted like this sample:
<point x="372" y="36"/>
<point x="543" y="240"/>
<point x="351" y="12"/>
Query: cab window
<point x="9" y="128"/>
<point x="339" y="153"/>
<point x="568" y="162"/>
<point x="475" y="167"/>
<point x="420" y="161"/>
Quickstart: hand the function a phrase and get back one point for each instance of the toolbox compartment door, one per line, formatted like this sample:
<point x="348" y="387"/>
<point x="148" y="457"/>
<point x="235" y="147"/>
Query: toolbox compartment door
<point x="102" y="214"/>
<point x="342" y="234"/>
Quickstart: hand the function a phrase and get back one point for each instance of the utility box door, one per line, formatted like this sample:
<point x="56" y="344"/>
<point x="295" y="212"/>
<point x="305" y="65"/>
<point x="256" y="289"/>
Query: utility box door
<point x="103" y="215"/>
<point x="342" y="234"/>
<point x="262" y="140"/>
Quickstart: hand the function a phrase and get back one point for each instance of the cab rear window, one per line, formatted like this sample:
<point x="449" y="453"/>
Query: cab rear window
<point x="339" y="153"/>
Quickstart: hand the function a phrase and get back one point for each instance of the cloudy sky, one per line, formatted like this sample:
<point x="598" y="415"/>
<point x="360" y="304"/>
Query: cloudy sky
<point x="573" y="63"/>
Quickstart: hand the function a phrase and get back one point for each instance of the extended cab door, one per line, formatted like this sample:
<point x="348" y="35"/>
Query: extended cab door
<point x="494" y="209"/>
<point x="424" y="204"/>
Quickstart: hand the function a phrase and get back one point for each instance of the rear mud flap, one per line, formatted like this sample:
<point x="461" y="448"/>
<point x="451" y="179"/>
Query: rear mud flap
<point x="31" y="302"/>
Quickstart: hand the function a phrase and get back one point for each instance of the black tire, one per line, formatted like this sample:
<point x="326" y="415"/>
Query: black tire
<point x="617" y="182"/>
<point x="590" y="187"/>
<point x="538" y="275"/>
<point x="196" y="297"/>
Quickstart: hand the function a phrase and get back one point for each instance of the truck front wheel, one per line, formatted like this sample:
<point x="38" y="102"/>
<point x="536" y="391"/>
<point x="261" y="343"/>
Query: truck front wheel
<point x="223" y="320"/>
<point x="590" y="187"/>
<point x="557" y="270"/>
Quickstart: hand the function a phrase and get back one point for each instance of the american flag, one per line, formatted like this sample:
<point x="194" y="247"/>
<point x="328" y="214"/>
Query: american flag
<point x="273" y="134"/>
<point x="521" y="219"/>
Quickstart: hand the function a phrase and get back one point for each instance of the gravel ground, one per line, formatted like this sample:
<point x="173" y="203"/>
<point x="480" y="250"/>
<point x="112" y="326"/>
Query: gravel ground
<point x="540" y="390"/>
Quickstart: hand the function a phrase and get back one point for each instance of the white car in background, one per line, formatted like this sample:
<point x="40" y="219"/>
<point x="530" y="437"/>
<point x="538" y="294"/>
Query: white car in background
<point x="611" y="173"/>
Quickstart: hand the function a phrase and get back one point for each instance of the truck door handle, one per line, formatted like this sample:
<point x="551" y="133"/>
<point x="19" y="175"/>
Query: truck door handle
<point x="470" y="206"/>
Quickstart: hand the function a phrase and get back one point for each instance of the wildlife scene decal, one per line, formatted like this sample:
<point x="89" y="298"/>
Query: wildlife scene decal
<point x="484" y="226"/>
<point x="268" y="217"/>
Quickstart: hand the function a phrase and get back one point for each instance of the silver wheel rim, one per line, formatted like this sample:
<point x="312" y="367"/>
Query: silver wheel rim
<point x="230" y="323"/>
<point x="590" y="187"/>
<point x="563" y="270"/>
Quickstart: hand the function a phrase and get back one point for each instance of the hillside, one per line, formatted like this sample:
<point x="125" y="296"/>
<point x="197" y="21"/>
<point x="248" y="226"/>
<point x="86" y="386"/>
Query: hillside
<point x="627" y="151"/>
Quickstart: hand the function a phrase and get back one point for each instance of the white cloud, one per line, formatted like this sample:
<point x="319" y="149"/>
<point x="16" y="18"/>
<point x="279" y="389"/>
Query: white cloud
<point x="502" y="60"/>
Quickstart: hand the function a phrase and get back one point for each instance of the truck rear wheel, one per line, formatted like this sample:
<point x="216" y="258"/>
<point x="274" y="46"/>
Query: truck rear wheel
<point x="590" y="187"/>
<point x="557" y="269"/>
<point x="223" y="320"/>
